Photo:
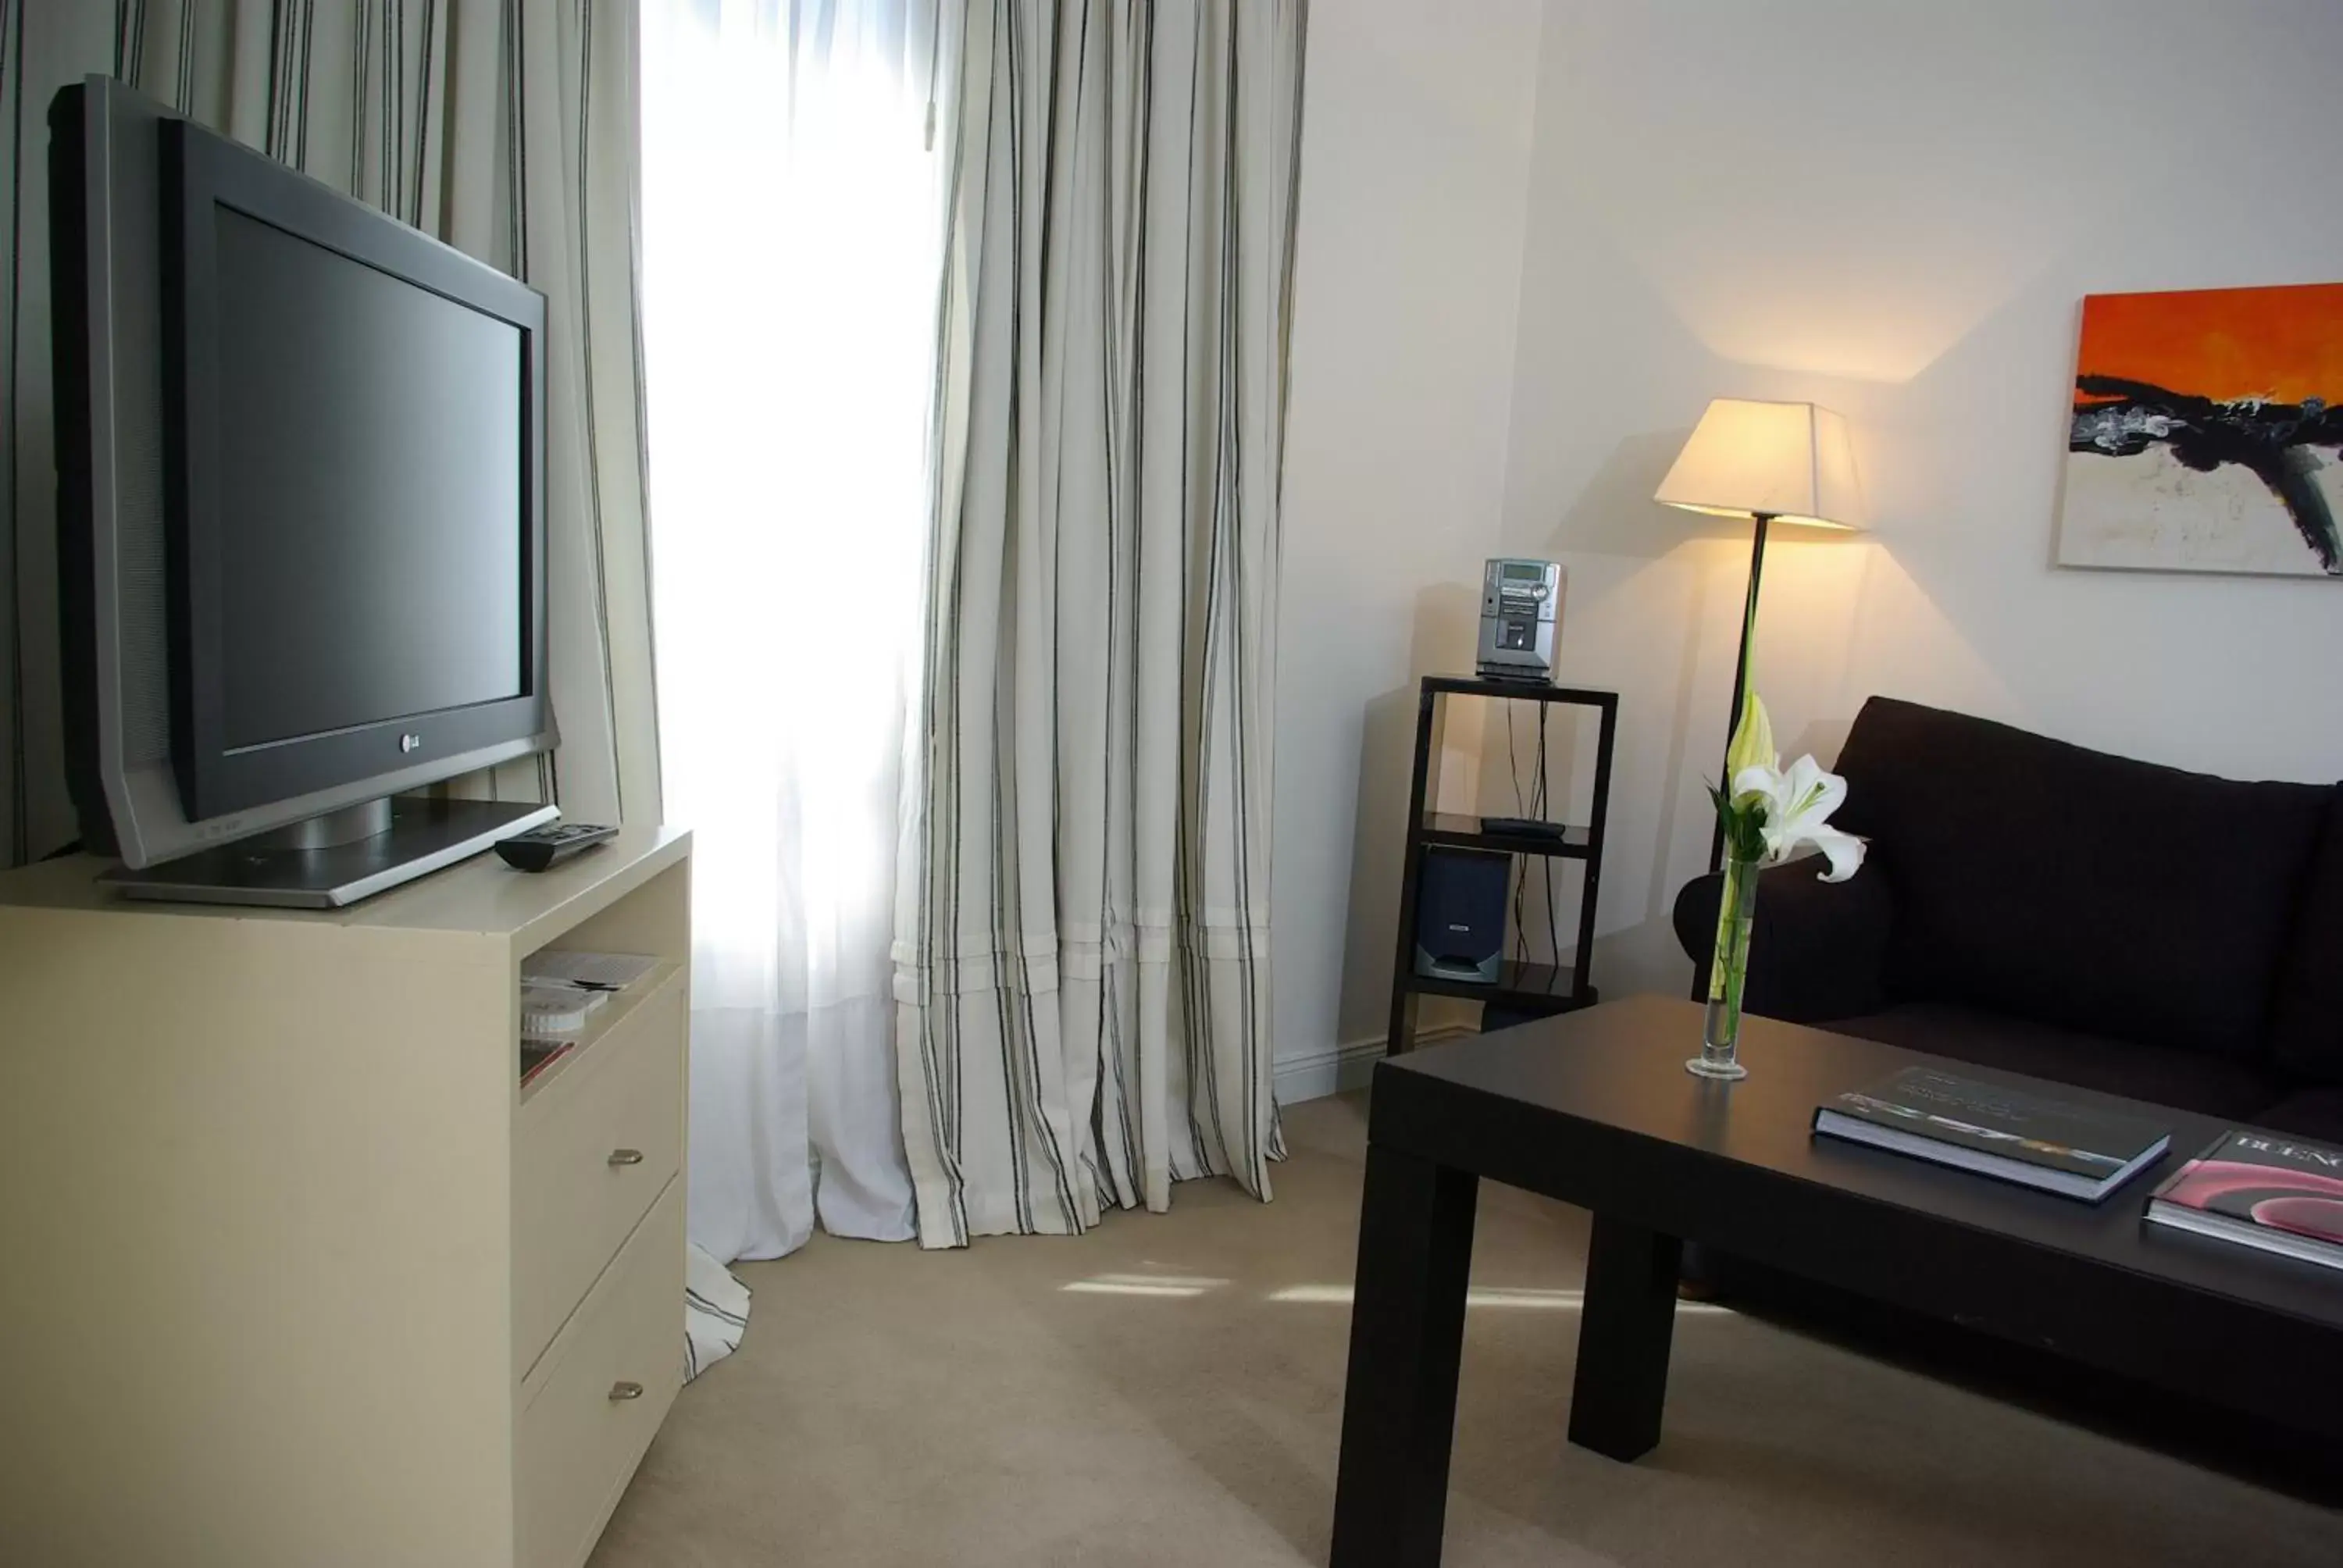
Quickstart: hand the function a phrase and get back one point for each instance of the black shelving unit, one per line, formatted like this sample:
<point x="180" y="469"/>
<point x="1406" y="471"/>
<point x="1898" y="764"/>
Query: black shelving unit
<point x="1520" y="986"/>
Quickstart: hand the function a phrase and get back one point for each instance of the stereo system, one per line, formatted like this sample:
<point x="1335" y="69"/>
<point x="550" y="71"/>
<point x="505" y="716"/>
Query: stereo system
<point x="1521" y="611"/>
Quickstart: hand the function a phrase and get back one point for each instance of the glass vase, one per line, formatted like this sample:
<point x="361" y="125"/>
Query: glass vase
<point x="1729" y="973"/>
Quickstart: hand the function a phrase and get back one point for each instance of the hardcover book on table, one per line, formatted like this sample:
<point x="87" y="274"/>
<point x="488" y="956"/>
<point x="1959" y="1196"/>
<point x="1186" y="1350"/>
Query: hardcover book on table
<point x="2261" y="1190"/>
<point x="2075" y="1150"/>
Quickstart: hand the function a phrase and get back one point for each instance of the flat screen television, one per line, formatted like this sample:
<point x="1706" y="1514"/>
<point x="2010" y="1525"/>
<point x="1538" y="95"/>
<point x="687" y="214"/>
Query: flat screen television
<point x="301" y="476"/>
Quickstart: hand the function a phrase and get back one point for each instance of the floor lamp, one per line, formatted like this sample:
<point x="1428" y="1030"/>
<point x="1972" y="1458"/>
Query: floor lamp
<point x="1771" y="463"/>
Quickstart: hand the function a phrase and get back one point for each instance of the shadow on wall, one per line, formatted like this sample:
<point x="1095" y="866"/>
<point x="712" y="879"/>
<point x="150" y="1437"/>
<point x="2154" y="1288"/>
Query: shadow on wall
<point x="1447" y="623"/>
<point x="1821" y="740"/>
<point x="1614" y="515"/>
<point x="1661" y="710"/>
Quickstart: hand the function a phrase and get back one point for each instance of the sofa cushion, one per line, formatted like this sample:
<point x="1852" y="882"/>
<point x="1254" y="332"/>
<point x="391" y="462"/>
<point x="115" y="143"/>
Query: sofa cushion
<point x="2105" y="895"/>
<point x="2307" y="1014"/>
<point x="2315" y="1113"/>
<point x="2188" y="1079"/>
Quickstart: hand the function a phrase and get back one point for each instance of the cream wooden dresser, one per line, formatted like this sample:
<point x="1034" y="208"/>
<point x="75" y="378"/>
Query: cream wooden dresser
<point x="296" y="1275"/>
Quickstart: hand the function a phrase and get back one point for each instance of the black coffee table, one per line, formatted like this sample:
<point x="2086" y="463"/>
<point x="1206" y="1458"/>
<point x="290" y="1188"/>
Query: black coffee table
<point x="1594" y="1108"/>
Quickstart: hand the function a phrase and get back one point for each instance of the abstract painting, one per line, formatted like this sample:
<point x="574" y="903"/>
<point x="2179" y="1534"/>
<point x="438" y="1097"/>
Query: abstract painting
<point x="2208" y="433"/>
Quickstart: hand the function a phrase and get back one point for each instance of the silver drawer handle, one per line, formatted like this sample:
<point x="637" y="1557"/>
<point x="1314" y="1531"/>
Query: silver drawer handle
<point x="625" y="1391"/>
<point x="626" y="1156"/>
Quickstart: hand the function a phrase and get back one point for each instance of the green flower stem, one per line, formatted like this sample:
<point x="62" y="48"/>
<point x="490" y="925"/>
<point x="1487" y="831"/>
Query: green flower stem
<point x="1728" y="970"/>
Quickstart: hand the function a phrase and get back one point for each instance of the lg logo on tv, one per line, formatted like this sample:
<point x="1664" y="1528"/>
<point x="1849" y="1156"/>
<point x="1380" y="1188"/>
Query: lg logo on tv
<point x="410" y="743"/>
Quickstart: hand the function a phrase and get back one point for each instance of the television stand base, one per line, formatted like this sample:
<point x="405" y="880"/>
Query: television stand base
<point x="330" y="830"/>
<point x="423" y="835"/>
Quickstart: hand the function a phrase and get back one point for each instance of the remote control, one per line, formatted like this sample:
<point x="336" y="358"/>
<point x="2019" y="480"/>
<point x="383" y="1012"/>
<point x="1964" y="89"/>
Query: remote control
<point x="542" y="849"/>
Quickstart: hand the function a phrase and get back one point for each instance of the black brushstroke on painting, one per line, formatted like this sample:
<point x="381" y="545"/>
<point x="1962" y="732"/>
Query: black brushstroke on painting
<point x="2274" y="441"/>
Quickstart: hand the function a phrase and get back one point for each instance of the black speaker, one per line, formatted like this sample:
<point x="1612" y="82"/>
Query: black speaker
<point x="1460" y="914"/>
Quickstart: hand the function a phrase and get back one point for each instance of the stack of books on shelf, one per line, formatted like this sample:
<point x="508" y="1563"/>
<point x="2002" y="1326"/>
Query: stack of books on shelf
<point x="2259" y="1190"/>
<point x="2076" y="1151"/>
<point x="561" y="992"/>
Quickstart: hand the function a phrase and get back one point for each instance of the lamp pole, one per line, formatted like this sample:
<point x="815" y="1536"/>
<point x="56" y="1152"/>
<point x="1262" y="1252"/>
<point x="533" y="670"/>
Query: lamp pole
<point x="1740" y="676"/>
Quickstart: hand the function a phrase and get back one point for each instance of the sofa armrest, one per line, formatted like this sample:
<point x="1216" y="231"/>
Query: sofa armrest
<point x="1818" y="950"/>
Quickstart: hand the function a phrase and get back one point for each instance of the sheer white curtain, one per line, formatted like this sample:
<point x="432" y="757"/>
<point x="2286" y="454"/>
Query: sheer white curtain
<point x="792" y="248"/>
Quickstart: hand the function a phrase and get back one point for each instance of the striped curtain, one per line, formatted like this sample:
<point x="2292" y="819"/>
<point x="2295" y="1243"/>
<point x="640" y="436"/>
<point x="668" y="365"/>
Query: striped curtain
<point x="1082" y="963"/>
<point x="508" y="128"/>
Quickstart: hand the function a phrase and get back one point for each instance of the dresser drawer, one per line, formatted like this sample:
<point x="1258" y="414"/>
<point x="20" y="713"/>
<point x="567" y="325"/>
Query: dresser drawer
<point x="580" y="1434"/>
<point x="590" y="1153"/>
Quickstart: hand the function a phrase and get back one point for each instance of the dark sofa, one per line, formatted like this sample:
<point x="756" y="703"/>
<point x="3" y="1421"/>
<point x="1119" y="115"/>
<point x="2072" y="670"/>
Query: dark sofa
<point x="2032" y="907"/>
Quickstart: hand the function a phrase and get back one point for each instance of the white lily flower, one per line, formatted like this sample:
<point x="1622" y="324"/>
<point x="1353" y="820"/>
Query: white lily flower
<point x="1798" y="805"/>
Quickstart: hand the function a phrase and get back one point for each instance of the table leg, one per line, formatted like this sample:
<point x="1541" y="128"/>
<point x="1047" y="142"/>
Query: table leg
<point x="1407" y="1331"/>
<point x="1623" y="1339"/>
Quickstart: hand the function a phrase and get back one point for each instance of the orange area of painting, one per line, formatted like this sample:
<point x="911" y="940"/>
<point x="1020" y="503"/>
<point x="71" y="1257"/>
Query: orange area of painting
<point x="2284" y="344"/>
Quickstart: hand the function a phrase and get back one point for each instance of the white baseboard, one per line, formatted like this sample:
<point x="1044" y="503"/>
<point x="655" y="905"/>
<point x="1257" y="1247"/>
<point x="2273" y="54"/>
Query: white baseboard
<point x="1339" y="1069"/>
<point x="1330" y="1069"/>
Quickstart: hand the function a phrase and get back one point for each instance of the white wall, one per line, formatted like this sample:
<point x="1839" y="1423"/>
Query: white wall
<point x="1416" y="156"/>
<point x="1895" y="210"/>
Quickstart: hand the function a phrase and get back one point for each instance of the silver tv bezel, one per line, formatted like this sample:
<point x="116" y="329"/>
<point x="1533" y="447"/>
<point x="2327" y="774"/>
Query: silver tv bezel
<point x="147" y="821"/>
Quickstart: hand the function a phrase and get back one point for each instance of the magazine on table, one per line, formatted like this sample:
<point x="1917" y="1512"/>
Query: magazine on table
<point x="2057" y="1146"/>
<point x="2261" y="1190"/>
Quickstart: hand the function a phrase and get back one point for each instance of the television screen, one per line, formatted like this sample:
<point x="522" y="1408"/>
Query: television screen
<point x="370" y="492"/>
<point x="355" y="419"/>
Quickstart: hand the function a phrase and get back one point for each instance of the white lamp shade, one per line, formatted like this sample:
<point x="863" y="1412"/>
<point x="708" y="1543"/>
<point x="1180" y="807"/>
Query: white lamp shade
<point x="1791" y="461"/>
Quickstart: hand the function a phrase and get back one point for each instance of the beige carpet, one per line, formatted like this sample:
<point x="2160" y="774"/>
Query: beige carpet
<point x="1168" y="1390"/>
